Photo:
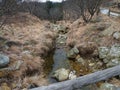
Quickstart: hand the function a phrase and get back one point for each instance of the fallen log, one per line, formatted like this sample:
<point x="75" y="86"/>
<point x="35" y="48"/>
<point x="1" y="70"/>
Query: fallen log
<point x="83" y="80"/>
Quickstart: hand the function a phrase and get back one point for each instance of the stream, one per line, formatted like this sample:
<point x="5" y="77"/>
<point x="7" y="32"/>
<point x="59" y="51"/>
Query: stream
<point x="58" y="59"/>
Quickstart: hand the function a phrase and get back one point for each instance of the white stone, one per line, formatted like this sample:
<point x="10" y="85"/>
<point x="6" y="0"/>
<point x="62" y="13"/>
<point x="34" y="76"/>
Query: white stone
<point x="116" y="35"/>
<point x="72" y="75"/>
<point x="61" y="74"/>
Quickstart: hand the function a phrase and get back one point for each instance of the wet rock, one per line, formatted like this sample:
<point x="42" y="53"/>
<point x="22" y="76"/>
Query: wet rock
<point x="72" y="53"/>
<point x="116" y="35"/>
<point x="103" y="52"/>
<point x="59" y="28"/>
<point x="61" y="74"/>
<point x="13" y="67"/>
<point x="76" y="51"/>
<point x="4" y="60"/>
<point x="60" y="60"/>
<point x="61" y="39"/>
<point x="107" y="86"/>
<point x="80" y="60"/>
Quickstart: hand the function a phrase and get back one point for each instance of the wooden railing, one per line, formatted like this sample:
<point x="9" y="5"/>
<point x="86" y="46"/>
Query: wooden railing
<point x="83" y="80"/>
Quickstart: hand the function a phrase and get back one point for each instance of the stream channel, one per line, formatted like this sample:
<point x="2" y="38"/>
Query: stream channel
<point x="58" y="59"/>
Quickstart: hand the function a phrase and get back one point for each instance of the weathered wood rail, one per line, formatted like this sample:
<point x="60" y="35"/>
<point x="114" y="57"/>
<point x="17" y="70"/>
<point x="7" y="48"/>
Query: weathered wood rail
<point x="113" y="13"/>
<point x="83" y="80"/>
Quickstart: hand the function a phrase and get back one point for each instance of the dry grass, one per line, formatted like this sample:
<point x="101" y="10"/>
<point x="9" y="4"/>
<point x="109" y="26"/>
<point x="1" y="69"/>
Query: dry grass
<point x="115" y="82"/>
<point x="88" y="37"/>
<point x="36" y="41"/>
<point x="93" y="32"/>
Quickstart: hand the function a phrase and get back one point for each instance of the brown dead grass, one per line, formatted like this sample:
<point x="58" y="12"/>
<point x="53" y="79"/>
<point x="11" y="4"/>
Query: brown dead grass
<point x="115" y="82"/>
<point x="36" y="41"/>
<point x="87" y="37"/>
<point x="36" y="80"/>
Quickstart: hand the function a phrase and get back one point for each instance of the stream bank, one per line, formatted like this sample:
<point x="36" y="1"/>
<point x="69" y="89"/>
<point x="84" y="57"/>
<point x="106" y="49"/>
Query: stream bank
<point x="58" y="58"/>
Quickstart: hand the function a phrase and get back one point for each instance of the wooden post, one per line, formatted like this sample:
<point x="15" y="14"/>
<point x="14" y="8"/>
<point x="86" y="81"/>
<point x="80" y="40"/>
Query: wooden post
<point x="84" y="80"/>
<point x="109" y="13"/>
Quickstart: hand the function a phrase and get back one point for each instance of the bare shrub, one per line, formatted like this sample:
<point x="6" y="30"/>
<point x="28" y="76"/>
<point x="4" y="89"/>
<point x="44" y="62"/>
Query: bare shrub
<point x="8" y="6"/>
<point x="70" y="10"/>
<point x="86" y="8"/>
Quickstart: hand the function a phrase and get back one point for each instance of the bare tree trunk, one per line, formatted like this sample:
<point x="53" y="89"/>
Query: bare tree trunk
<point x="84" y="80"/>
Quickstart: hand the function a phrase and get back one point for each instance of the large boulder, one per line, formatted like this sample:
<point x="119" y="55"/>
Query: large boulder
<point x="107" y="86"/>
<point x="110" y="56"/>
<point x="61" y="74"/>
<point x="4" y="60"/>
<point x="80" y="60"/>
<point x="87" y="48"/>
